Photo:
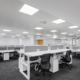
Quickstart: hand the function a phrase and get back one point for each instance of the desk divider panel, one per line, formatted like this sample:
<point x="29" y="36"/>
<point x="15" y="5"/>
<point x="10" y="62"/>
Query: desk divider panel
<point x="53" y="47"/>
<point x="60" y="46"/>
<point x="30" y="49"/>
<point x="56" y="47"/>
<point x="19" y="46"/>
<point x="3" y="47"/>
<point x="35" y="48"/>
<point x="11" y="48"/>
<point x="76" y="47"/>
<point x="42" y="48"/>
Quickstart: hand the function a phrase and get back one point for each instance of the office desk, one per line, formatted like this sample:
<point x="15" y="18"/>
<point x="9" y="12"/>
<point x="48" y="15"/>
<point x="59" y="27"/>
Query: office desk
<point x="25" y="65"/>
<point x="77" y="50"/>
<point x="39" y="53"/>
<point x="5" y="54"/>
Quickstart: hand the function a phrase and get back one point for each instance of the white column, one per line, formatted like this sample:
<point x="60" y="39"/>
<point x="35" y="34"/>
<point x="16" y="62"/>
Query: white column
<point x="32" y="39"/>
<point x="20" y="41"/>
<point x="75" y="41"/>
<point x="70" y="42"/>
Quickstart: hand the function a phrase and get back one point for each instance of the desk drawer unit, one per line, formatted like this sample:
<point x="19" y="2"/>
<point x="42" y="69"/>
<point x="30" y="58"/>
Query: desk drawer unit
<point x="54" y="65"/>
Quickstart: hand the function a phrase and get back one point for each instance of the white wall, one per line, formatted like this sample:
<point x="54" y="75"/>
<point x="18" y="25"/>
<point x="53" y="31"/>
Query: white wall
<point x="48" y="41"/>
<point x="52" y="41"/>
<point x="35" y="42"/>
<point x="24" y="41"/>
<point x="9" y="41"/>
<point x="14" y="41"/>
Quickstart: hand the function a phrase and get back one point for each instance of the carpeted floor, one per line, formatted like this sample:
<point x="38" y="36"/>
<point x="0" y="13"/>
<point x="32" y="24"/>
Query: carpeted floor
<point x="9" y="71"/>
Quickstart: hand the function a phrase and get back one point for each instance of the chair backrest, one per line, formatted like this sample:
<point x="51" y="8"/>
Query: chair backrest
<point x="67" y="47"/>
<point x="45" y="61"/>
<point x="68" y="53"/>
<point x="68" y="58"/>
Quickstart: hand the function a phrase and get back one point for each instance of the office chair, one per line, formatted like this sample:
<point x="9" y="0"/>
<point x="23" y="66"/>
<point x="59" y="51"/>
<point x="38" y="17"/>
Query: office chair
<point x="15" y="53"/>
<point x="45" y="64"/>
<point x="1" y="58"/>
<point x="67" y="59"/>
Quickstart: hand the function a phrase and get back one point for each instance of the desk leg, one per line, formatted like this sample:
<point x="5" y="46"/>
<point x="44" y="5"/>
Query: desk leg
<point x="55" y="56"/>
<point x="28" y="68"/>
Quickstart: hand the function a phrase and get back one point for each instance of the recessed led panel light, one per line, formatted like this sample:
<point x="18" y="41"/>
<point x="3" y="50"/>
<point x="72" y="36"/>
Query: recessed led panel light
<point x="55" y="36"/>
<point x="28" y="9"/>
<point x="6" y="30"/>
<point x="58" y="21"/>
<point x="3" y="33"/>
<point x="78" y="30"/>
<point x="38" y="34"/>
<point x="25" y="32"/>
<point x="72" y="27"/>
<point x="53" y="31"/>
<point x="71" y="34"/>
<point x="12" y="36"/>
<point x="64" y="33"/>
<point x="38" y="28"/>
<point x="48" y="35"/>
<point x="17" y="35"/>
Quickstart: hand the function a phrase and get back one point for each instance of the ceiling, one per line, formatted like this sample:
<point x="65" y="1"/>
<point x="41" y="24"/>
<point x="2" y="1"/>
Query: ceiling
<point x="49" y="10"/>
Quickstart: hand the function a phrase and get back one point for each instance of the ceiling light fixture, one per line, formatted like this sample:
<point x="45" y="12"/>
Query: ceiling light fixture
<point x="28" y="9"/>
<point x="6" y="30"/>
<point x="53" y="31"/>
<point x="3" y="33"/>
<point x="25" y="32"/>
<point x="58" y="21"/>
<point x="72" y="27"/>
<point x="17" y="35"/>
<point x="48" y="35"/>
<point x="71" y="34"/>
<point x="38" y="28"/>
<point x="64" y="33"/>
<point x="55" y="36"/>
<point x="12" y="36"/>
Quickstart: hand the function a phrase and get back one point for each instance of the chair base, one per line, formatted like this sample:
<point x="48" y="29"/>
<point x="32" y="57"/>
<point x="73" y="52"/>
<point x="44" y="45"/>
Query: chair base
<point x="64" y="64"/>
<point x="43" y="75"/>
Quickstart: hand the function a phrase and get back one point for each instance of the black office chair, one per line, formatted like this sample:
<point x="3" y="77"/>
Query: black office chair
<point x="67" y="47"/>
<point x="15" y="55"/>
<point x="1" y="58"/>
<point x="67" y="60"/>
<point x="45" y="64"/>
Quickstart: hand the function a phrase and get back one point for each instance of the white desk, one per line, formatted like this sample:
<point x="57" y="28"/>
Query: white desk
<point x="77" y="50"/>
<point x="5" y="54"/>
<point x="39" y="53"/>
<point x="25" y="65"/>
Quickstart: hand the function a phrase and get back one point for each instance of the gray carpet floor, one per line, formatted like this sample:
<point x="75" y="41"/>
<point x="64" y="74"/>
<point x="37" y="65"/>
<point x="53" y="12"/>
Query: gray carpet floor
<point x="9" y="71"/>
